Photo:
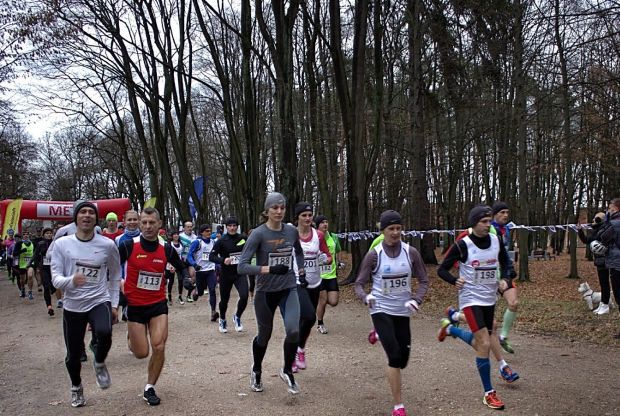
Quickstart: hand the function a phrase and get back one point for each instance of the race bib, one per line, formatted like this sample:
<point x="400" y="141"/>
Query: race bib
<point x="27" y="259"/>
<point x="485" y="275"/>
<point x="311" y="264"/>
<point x="325" y="268"/>
<point x="234" y="258"/>
<point x="205" y="256"/>
<point x="149" y="280"/>
<point x="91" y="271"/>
<point x="281" y="258"/>
<point x="46" y="261"/>
<point x="395" y="283"/>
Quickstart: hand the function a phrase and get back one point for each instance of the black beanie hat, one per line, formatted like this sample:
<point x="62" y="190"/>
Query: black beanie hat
<point x="498" y="206"/>
<point x="302" y="207"/>
<point x="204" y="227"/>
<point x="81" y="204"/>
<point x="477" y="213"/>
<point x="389" y="217"/>
<point x="319" y="219"/>
<point x="231" y="220"/>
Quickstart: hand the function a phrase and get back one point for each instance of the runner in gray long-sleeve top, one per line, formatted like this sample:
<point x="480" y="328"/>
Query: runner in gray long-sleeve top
<point x="273" y="243"/>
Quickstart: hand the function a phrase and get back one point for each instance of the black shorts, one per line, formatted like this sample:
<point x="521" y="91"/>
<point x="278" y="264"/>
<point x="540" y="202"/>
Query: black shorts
<point x="143" y="314"/>
<point x="479" y="317"/>
<point x="330" y="285"/>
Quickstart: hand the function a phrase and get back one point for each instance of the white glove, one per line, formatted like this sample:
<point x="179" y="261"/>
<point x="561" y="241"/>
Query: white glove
<point x="371" y="300"/>
<point x="412" y="305"/>
<point x="322" y="259"/>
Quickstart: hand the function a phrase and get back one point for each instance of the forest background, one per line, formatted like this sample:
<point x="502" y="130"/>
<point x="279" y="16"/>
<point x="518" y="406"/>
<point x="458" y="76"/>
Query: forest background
<point x="423" y="106"/>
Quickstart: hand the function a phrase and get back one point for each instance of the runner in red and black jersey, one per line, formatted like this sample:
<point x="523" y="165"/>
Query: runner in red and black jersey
<point x="145" y="258"/>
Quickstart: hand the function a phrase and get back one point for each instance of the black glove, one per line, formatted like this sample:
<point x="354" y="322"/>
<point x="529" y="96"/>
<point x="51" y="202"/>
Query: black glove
<point x="197" y="267"/>
<point x="302" y="280"/>
<point x="278" y="269"/>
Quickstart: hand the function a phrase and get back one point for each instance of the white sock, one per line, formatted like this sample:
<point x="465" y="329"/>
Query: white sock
<point x="148" y="386"/>
<point x="502" y="364"/>
<point x="456" y="316"/>
<point x="399" y="406"/>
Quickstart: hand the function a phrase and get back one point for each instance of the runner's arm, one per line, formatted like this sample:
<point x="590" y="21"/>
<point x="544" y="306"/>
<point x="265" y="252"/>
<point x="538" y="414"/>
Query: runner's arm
<point x="190" y="254"/>
<point x="455" y="254"/>
<point x="419" y="271"/>
<point x="249" y="250"/>
<point x="214" y="256"/>
<point x="173" y="258"/>
<point x="114" y="274"/>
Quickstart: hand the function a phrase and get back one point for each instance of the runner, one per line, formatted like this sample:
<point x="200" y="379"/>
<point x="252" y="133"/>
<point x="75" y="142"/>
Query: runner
<point x="145" y="259"/>
<point x="187" y="237"/>
<point x="86" y="267"/>
<point x="478" y="255"/>
<point x="273" y="243"/>
<point x="390" y="266"/>
<point x="43" y="264"/>
<point x="330" y="292"/>
<point x="316" y="254"/>
<point x="501" y="213"/>
<point x="171" y="272"/>
<point x="112" y="231"/>
<point x="24" y="250"/>
<point x="198" y="259"/>
<point x="131" y="231"/>
<point x="226" y="252"/>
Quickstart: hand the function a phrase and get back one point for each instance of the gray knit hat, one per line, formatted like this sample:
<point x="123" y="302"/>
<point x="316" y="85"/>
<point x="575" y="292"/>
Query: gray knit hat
<point x="274" y="198"/>
<point x="79" y="204"/>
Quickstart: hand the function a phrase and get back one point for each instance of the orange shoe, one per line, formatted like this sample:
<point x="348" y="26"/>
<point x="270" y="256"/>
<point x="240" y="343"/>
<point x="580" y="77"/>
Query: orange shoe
<point x="443" y="331"/>
<point x="492" y="401"/>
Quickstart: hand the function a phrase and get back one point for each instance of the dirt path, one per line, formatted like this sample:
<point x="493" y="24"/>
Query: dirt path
<point x="206" y="372"/>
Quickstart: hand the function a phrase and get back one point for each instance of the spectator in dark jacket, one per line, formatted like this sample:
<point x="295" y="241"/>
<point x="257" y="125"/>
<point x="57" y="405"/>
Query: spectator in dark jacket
<point x="599" y="261"/>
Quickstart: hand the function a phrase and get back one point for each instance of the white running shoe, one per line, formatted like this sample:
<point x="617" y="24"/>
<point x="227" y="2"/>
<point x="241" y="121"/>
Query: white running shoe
<point x="222" y="328"/>
<point x="602" y="309"/>
<point x="77" y="396"/>
<point x="237" y="322"/>
<point x="288" y="378"/>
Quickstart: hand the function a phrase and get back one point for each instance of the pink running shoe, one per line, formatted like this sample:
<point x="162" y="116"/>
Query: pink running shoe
<point x="373" y="337"/>
<point x="399" y="412"/>
<point x="300" y="360"/>
<point x="294" y="368"/>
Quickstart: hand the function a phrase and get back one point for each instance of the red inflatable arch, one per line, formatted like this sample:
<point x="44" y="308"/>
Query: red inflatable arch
<point x="63" y="210"/>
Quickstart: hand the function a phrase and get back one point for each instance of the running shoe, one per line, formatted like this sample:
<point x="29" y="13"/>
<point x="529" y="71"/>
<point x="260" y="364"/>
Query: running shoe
<point x="508" y="375"/>
<point x="450" y="310"/>
<point x="399" y="412"/>
<point x="300" y="359"/>
<point x="506" y="345"/>
<point x="22" y="293"/>
<point x="50" y="311"/>
<point x="214" y="316"/>
<point x="295" y="368"/>
<point x="30" y="296"/>
<point x="101" y="375"/>
<point x="189" y="299"/>
<point x="169" y="300"/>
<point x="288" y="378"/>
<point x="492" y="401"/>
<point x="322" y="329"/>
<point x="255" y="381"/>
<point x="195" y="295"/>
<point x="150" y="397"/>
<point x="373" y="337"/>
<point x="222" y="327"/>
<point x="237" y="322"/>
<point x="59" y="303"/>
<point x="77" y="396"/>
<point x="443" y="331"/>
<point x="180" y="300"/>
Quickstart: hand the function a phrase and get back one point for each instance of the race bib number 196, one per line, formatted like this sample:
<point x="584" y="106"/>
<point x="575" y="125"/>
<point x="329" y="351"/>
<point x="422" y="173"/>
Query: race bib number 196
<point x="395" y="283"/>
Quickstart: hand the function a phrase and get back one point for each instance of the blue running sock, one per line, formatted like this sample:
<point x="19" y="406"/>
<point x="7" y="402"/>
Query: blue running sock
<point x="463" y="334"/>
<point x="484" y="368"/>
